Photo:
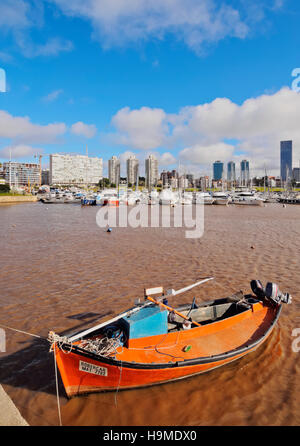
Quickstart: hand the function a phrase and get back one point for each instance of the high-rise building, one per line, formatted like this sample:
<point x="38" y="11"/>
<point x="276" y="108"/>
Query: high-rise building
<point x="217" y="170"/>
<point x="231" y="176"/>
<point x="75" y="169"/>
<point x="46" y="177"/>
<point x="169" y="178"/>
<point x="296" y="174"/>
<point x="114" y="170"/>
<point x="245" y="172"/>
<point x="286" y="149"/>
<point x="21" y="174"/>
<point x="151" y="171"/>
<point x="132" y="169"/>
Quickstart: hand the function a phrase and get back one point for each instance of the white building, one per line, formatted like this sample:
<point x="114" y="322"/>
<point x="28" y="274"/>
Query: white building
<point x="132" y="169"/>
<point x="151" y="171"/>
<point x="21" y="174"/>
<point x="114" y="170"/>
<point x="75" y="169"/>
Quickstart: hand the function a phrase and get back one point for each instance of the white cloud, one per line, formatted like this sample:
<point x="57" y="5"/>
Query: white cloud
<point x="126" y="21"/>
<point x="166" y="159"/>
<point x="81" y="129"/>
<point x="19" y="17"/>
<point x="14" y="14"/>
<point x="21" y="130"/>
<point x="141" y="129"/>
<point x="19" y="151"/>
<point x="207" y="154"/>
<point x="220" y="129"/>
<point x="52" y="96"/>
<point x="52" y="47"/>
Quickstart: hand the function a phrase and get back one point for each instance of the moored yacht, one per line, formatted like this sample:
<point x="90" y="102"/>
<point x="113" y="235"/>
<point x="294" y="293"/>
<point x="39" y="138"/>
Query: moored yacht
<point x="220" y="198"/>
<point x="245" y="196"/>
<point x="167" y="197"/>
<point x="203" y="198"/>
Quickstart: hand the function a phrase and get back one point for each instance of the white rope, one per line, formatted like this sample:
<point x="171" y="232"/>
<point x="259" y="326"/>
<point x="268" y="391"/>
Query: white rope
<point x="55" y="365"/>
<point x="56" y="384"/>
<point x="117" y="390"/>
<point x="101" y="346"/>
<point x="54" y="338"/>
<point x="21" y="331"/>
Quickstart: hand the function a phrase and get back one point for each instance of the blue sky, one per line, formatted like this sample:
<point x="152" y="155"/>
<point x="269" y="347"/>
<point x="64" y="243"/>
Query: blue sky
<point x="192" y="80"/>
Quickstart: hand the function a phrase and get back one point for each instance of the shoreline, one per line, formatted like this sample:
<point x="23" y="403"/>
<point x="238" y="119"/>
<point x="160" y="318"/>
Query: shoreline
<point x="18" y="199"/>
<point x="9" y="414"/>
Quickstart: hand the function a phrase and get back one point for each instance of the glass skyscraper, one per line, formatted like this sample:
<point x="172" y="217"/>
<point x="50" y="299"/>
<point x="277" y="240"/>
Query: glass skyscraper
<point x="217" y="170"/>
<point x="286" y="149"/>
<point x="245" y="172"/>
<point x="231" y="171"/>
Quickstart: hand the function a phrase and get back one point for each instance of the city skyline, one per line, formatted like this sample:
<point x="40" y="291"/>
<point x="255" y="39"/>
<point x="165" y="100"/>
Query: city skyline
<point x="130" y="168"/>
<point x="154" y="92"/>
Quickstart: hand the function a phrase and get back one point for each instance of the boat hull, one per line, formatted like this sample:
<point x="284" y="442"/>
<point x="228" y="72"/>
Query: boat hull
<point x="221" y="201"/>
<point x="85" y="372"/>
<point x="120" y="377"/>
<point x="248" y="202"/>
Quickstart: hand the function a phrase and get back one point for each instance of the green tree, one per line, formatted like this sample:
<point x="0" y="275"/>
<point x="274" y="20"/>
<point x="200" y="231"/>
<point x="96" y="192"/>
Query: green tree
<point x="4" y="188"/>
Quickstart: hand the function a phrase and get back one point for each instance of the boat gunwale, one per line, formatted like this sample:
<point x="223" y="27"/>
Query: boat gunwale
<point x="187" y="362"/>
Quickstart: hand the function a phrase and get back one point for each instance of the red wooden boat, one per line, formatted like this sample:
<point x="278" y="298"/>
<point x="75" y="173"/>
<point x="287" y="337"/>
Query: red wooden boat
<point x="153" y="343"/>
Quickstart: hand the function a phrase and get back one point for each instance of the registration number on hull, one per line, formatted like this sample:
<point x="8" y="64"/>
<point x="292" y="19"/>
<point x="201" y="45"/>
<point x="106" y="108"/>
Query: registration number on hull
<point x="92" y="368"/>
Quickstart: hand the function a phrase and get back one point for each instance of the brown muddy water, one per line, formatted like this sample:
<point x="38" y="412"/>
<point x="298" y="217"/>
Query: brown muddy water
<point x="61" y="272"/>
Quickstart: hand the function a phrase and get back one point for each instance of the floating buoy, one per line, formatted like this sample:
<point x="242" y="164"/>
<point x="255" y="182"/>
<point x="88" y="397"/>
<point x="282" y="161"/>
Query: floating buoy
<point x="252" y="247"/>
<point x="284" y="205"/>
<point x="109" y="230"/>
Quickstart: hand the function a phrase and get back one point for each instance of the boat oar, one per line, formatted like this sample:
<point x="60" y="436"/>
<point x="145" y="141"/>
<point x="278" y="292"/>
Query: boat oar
<point x="187" y="288"/>
<point x="173" y="311"/>
<point x="133" y="310"/>
<point x="175" y="293"/>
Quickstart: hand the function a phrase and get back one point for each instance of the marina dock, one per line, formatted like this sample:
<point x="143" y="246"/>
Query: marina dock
<point x="18" y="198"/>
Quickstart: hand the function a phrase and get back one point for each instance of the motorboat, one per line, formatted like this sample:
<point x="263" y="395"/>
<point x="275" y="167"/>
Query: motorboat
<point x="292" y="198"/>
<point x="58" y="198"/>
<point x="167" y="197"/>
<point x="109" y="197"/>
<point x="153" y="198"/>
<point x="220" y="198"/>
<point x="89" y="200"/>
<point x="203" y="198"/>
<point x="247" y="197"/>
<point x="154" y="343"/>
<point x="186" y="198"/>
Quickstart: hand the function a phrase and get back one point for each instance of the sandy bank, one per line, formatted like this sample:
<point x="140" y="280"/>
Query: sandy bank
<point x="9" y="414"/>
<point x="17" y="198"/>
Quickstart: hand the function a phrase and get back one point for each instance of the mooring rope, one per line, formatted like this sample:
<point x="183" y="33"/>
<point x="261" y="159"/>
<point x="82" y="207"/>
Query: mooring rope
<point x="24" y="332"/>
<point x="56" y="375"/>
<point x="56" y="385"/>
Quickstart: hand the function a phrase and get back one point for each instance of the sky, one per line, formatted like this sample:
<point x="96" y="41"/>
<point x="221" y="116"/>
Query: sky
<point x="191" y="81"/>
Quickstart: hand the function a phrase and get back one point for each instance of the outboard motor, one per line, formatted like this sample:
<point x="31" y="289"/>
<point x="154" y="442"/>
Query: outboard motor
<point x="258" y="289"/>
<point x="275" y="295"/>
